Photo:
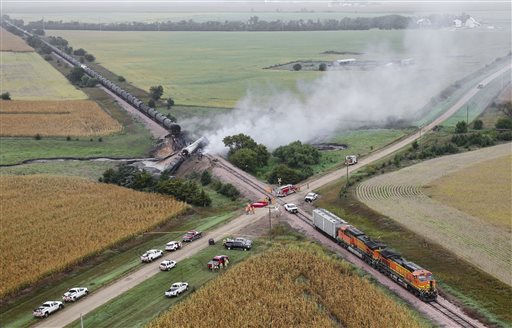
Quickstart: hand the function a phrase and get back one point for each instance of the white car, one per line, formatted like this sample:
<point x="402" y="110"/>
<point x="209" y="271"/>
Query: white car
<point x="167" y="265"/>
<point x="173" y="245"/>
<point x="292" y="208"/>
<point x="47" y="308"/>
<point x="311" y="197"/>
<point x="176" y="289"/>
<point x="151" y="255"/>
<point x="75" y="293"/>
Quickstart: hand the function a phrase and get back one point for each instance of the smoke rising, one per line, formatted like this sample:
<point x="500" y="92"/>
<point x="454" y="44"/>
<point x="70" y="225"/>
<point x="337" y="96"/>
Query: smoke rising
<point x="346" y="99"/>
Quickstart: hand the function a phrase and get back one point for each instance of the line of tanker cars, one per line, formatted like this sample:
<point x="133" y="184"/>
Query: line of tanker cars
<point x="152" y="113"/>
<point x="417" y="280"/>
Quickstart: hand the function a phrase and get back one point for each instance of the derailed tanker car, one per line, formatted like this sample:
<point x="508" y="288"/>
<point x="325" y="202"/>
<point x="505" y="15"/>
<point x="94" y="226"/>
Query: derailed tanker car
<point x="156" y="116"/>
<point x="411" y="276"/>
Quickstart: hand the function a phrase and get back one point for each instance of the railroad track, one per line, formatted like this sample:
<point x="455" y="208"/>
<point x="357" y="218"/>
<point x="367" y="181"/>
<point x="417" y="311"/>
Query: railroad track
<point x="461" y="321"/>
<point x="457" y="319"/>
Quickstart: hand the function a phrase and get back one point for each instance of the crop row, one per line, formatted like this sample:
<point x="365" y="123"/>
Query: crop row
<point x="288" y="287"/>
<point x="50" y="223"/>
<point x="55" y="118"/>
<point x="370" y="191"/>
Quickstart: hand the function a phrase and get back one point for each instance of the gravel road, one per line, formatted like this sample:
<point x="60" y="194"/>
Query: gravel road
<point x="105" y="294"/>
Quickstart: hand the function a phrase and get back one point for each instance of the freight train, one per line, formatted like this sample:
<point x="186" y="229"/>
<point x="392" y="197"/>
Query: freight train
<point x="152" y="113"/>
<point x="411" y="276"/>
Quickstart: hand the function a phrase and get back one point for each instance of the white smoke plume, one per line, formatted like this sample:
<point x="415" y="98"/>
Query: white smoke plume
<point x="345" y="99"/>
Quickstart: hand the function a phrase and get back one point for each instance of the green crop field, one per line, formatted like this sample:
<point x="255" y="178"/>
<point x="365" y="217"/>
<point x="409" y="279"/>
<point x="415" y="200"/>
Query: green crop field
<point x="219" y="68"/>
<point x="27" y="76"/>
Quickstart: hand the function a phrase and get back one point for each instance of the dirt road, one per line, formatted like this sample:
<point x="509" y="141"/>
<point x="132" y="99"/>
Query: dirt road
<point x="102" y="296"/>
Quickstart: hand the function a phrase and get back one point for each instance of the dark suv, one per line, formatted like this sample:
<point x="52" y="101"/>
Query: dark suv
<point x="237" y="244"/>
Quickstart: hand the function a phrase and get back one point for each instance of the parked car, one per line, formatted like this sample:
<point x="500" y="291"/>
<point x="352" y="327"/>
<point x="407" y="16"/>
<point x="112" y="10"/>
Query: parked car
<point x="47" y="308"/>
<point x="151" y="255"/>
<point x="173" y="245"/>
<point x="192" y="235"/>
<point x="176" y="289"/>
<point x="218" y="261"/>
<point x="167" y="265"/>
<point x="75" y="293"/>
<point x="239" y="243"/>
<point x="292" y="208"/>
<point x="311" y="197"/>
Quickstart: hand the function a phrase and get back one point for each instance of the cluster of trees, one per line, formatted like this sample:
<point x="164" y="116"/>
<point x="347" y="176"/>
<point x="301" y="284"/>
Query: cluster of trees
<point x="182" y="189"/>
<point x="155" y="93"/>
<point x="294" y="160"/>
<point x="386" y="22"/>
<point x="78" y="77"/>
<point x="245" y="153"/>
<point x="5" y="96"/>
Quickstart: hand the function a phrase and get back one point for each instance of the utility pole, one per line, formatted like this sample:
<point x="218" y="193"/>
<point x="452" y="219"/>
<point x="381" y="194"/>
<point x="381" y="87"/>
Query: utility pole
<point x="347" y="175"/>
<point x="467" y="115"/>
<point x="81" y="321"/>
<point x="269" y="224"/>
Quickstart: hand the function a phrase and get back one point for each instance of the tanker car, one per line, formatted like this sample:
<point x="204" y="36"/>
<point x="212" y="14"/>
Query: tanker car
<point x="411" y="276"/>
<point x="152" y="113"/>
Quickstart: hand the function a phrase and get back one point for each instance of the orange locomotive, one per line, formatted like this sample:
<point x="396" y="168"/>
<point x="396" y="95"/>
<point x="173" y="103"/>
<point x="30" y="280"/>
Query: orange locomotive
<point x="408" y="274"/>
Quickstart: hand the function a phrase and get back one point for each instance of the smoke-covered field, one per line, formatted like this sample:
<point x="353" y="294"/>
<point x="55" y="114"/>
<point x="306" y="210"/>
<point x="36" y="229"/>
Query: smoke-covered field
<point x="276" y="107"/>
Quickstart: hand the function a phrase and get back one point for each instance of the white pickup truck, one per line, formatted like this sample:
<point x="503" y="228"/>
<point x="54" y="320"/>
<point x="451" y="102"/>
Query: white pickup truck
<point x="47" y="308"/>
<point x="176" y="289"/>
<point x="151" y="255"/>
<point x="75" y="293"/>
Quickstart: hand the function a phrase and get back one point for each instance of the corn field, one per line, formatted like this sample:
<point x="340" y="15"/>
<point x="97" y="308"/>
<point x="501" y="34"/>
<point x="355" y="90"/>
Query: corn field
<point x="51" y="223"/>
<point x="77" y="118"/>
<point x="288" y="287"/>
<point x="11" y="42"/>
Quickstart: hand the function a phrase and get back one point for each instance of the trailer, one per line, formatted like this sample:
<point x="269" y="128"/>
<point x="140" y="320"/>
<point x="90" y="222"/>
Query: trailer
<point x="327" y="222"/>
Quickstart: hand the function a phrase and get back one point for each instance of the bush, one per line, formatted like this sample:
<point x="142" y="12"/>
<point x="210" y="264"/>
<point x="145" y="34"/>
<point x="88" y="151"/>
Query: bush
<point x="246" y="159"/>
<point x="68" y="138"/>
<point x="48" y="57"/>
<point x="415" y="145"/>
<point x="89" y="57"/>
<point x="297" y="155"/>
<point x="297" y="67"/>
<point x="121" y="79"/>
<point x="206" y="178"/>
<point x="100" y="139"/>
<point x="230" y="191"/>
<point x="79" y="52"/>
<point x="504" y="124"/>
<point x="38" y="137"/>
<point x="5" y="96"/>
<point x="461" y="127"/>
<point x="287" y="175"/>
<point x="478" y="125"/>
<point x="322" y="67"/>
<point x="151" y="103"/>
<point x="505" y="136"/>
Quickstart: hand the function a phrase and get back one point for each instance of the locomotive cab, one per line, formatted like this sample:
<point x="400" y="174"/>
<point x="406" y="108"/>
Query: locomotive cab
<point x="426" y="285"/>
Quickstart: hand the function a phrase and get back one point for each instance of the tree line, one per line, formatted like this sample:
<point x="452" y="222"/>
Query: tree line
<point x="386" y="22"/>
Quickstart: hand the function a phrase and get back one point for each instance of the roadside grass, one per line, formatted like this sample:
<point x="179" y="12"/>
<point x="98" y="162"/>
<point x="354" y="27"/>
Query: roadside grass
<point x="134" y="140"/>
<point x="141" y="304"/>
<point x="86" y="169"/>
<point x="109" y="265"/>
<point x="481" y="290"/>
<point x="478" y="103"/>
<point x="217" y="69"/>
<point x="27" y="76"/>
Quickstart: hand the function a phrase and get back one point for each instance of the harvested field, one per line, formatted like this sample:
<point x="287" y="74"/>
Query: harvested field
<point x="11" y="42"/>
<point x="50" y="223"/>
<point x="483" y="183"/>
<point x="27" y="76"/>
<point x="55" y="118"/>
<point x="483" y="241"/>
<point x="289" y="287"/>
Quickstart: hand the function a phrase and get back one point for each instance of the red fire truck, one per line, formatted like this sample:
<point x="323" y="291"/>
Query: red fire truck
<point x="286" y="190"/>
